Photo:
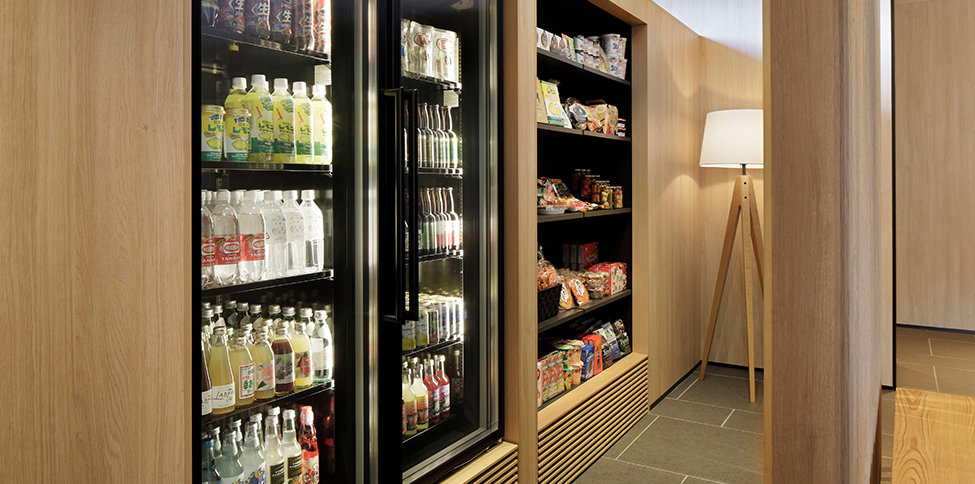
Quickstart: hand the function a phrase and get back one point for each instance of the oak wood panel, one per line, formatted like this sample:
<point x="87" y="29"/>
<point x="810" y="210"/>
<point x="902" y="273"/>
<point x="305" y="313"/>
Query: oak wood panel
<point x="822" y="374"/>
<point x="934" y="438"/>
<point x="935" y="203"/>
<point x="491" y="467"/>
<point x="96" y="240"/>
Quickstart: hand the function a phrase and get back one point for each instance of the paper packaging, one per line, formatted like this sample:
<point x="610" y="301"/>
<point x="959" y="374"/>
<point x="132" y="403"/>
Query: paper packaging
<point x="546" y="40"/>
<point x="538" y="382"/>
<point x="617" y="275"/>
<point x="612" y="45"/>
<point x="582" y="256"/>
<point x="596" y="342"/>
<point x="550" y="94"/>
<point x="540" y="115"/>
<point x="587" y="362"/>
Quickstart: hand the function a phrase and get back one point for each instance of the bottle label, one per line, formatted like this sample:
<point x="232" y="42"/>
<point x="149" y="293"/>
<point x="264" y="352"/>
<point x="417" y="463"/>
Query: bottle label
<point x="410" y="409"/>
<point x="222" y="396"/>
<point x="434" y="397"/>
<point x="208" y="250"/>
<point x="457" y="388"/>
<point x="422" y="411"/>
<point x="309" y="462"/>
<point x="259" y="16"/>
<point x="256" y="477"/>
<point x="205" y="407"/>
<point x="284" y="128"/>
<point x="422" y="332"/>
<point x="321" y="130"/>
<point x="284" y="369"/>
<point x="252" y="247"/>
<point x="264" y="376"/>
<point x="294" y="470"/>
<point x="277" y="229"/>
<point x="318" y="361"/>
<point x="302" y="365"/>
<point x="228" y="250"/>
<point x="409" y="335"/>
<point x="246" y="381"/>
<point x="444" y="392"/>
<point x="282" y="16"/>
<point x="303" y="128"/>
<point x="276" y="473"/>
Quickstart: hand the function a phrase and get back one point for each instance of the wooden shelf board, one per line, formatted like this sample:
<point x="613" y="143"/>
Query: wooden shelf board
<point x="570" y="314"/>
<point x="561" y="130"/>
<point x="549" y="414"/>
<point x="552" y="57"/>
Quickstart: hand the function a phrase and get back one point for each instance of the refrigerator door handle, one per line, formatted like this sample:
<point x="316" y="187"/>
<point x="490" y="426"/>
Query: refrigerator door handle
<point x="413" y="230"/>
<point x="396" y="207"/>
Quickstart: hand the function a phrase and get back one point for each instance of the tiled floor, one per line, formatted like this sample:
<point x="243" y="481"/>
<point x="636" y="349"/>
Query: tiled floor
<point x="705" y="432"/>
<point x="938" y="361"/>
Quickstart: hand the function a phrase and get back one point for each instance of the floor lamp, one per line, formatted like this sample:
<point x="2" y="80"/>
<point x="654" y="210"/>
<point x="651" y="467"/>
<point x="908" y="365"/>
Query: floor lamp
<point x="735" y="139"/>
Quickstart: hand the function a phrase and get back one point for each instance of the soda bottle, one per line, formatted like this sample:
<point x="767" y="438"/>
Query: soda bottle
<point x="453" y="145"/>
<point x="284" y="367"/>
<point x="263" y="365"/>
<point x="409" y="404"/>
<point x="290" y="448"/>
<point x="314" y="232"/>
<point x="433" y="391"/>
<point x="205" y="406"/>
<point x="221" y="374"/>
<point x="243" y="367"/>
<point x="226" y="241"/>
<point x="309" y="447"/>
<point x="250" y="224"/>
<point x="323" y="366"/>
<point x="322" y="28"/>
<point x="455" y="371"/>
<point x="229" y="464"/>
<point x="443" y="387"/>
<point x="295" y="220"/>
<point x="210" y="473"/>
<point x="257" y="18"/>
<point x="252" y="457"/>
<point x="303" y="363"/>
<point x="207" y="245"/>
<point x="276" y="227"/>
<point x="276" y="471"/>
<point x="238" y="90"/>
<point x="303" y="23"/>
<point x="422" y="400"/>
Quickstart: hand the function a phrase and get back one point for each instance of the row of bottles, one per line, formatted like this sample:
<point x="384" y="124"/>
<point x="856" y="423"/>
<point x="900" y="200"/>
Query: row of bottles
<point x="441" y="229"/>
<point x="306" y="24"/>
<point x="255" y="367"/>
<point x="438" y="144"/>
<point x="256" y="235"/>
<point x="429" y="387"/>
<point x="282" y="127"/>
<point x="441" y="318"/>
<point x="283" y="455"/>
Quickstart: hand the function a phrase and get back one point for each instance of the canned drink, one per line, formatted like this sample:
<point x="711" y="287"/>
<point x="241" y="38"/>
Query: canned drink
<point x="409" y="336"/>
<point x="423" y="328"/>
<point x="446" y="318"/>
<point x="435" y="334"/>
<point x="433" y="318"/>
<point x="237" y="131"/>
<point x="211" y="146"/>
<point x="458" y="311"/>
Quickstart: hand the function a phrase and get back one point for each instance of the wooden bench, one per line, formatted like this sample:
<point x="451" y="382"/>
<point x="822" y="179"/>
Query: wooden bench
<point x="934" y="438"/>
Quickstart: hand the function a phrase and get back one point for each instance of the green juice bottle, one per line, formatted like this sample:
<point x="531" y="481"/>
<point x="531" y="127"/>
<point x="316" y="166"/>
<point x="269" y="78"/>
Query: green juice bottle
<point x="284" y="122"/>
<point x="303" y="123"/>
<point x="258" y="102"/>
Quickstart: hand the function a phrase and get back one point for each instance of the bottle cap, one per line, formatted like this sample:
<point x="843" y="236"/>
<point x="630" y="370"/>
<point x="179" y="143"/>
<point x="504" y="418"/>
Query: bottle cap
<point x="223" y="196"/>
<point x="219" y="330"/>
<point x="274" y="411"/>
<point x="255" y="308"/>
<point x="242" y="306"/>
<point x="289" y="311"/>
<point x="299" y="327"/>
<point x="237" y="195"/>
<point x="280" y="83"/>
<point x="269" y="196"/>
<point x="289" y="414"/>
<point x="203" y="196"/>
<point x="240" y="83"/>
<point x="231" y="305"/>
<point x="276" y="194"/>
<point x="258" y="80"/>
<point x="252" y="195"/>
<point x="274" y="309"/>
<point x="256" y="418"/>
<point x="207" y="313"/>
<point x="321" y="314"/>
<point x="300" y="88"/>
<point x="217" y="309"/>
<point x="318" y="90"/>
<point x="266" y="86"/>
<point x="306" y="312"/>
<point x="307" y="195"/>
<point x="290" y="194"/>
<point x="206" y="305"/>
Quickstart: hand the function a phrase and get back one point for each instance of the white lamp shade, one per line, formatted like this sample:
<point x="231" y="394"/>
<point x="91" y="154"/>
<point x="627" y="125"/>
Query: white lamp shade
<point x="733" y="138"/>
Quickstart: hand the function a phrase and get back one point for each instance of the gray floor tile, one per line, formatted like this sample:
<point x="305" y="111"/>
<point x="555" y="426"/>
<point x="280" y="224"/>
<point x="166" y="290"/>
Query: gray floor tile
<point x="953" y="349"/>
<point x="694" y="480"/>
<point x="725" y="392"/>
<point x="912" y="341"/>
<point x="686" y="382"/>
<point x="919" y="377"/>
<point x="887" y="446"/>
<point x="939" y="361"/>
<point x="694" y="412"/>
<point x="887" y="416"/>
<point x="956" y="382"/>
<point x="606" y="470"/>
<point x="748" y="421"/>
<point x="733" y="371"/>
<point x="714" y="453"/>
<point x="930" y="333"/>
<point x="629" y="436"/>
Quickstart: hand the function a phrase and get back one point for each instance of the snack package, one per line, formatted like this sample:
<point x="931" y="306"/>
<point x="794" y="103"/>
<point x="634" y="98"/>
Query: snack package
<point x="576" y="373"/>
<point x="612" y="119"/>
<point x="577" y="112"/>
<point x="540" y="115"/>
<point x="538" y="37"/>
<point x="617" y="275"/>
<point x="610" y="335"/>
<point x="622" y="337"/>
<point x="553" y="109"/>
<point x="612" y="45"/>
<point x="546" y="272"/>
<point x="575" y="356"/>
<point x="593" y="122"/>
<point x="569" y="48"/>
<point x="538" y="381"/>
<point x="578" y="290"/>
<point x="597" y="283"/>
<point x="546" y="40"/>
<point x="588" y="360"/>
<point x="596" y="343"/>
<point x="565" y="298"/>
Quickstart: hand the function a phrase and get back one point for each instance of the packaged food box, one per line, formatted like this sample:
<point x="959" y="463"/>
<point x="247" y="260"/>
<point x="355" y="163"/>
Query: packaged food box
<point x="617" y="67"/>
<point x="575" y="356"/>
<point x="587" y="362"/>
<point x="576" y="373"/>
<point x="538" y="382"/>
<point x="596" y="342"/>
<point x="553" y="109"/>
<point x="546" y="40"/>
<point x="540" y="115"/>
<point x="538" y="37"/>
<point x="610" y="335"/>
<point x="612" y="45"/>
<point x="617" y="275"/>
<point x="580" y="256"/>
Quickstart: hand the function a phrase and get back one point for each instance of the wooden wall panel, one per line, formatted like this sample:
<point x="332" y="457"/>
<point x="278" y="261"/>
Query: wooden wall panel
<point x="935" y="202"/>
<point x="821" y="115"/>
<point x="96" y="237"/>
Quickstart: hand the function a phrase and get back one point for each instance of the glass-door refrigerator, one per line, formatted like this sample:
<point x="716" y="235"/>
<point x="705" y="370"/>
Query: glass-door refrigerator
<point x="274" y="345"/>
<point x="438" y="216"/>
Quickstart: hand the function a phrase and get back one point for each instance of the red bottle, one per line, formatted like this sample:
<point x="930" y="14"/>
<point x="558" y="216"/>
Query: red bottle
<point x="309" y="447"/>
<point x="433" y="391"/>
<point x="444" y="387"/>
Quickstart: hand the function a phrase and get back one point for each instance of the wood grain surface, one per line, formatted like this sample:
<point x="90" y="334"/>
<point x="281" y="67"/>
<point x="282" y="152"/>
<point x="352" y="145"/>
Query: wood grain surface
<point x="96" y="236"/>
<point x="935" y="202"/>
<point x="934" y="438"/>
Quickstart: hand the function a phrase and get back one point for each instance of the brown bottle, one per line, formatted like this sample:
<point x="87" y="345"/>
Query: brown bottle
<point x="284" y="366"/>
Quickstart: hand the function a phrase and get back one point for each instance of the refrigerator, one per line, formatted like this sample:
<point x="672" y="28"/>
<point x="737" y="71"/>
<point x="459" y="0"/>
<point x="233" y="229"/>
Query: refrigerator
<point x="410" y="221"/>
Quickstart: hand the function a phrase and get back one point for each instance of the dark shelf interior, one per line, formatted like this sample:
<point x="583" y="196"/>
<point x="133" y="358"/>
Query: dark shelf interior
<point x="326" y="275"/>
<point x="231" y="166"/>
<point x="263" y="406"/>
<point x="433" y="348"/>
<point x="574" y="313"/>
<point x="558" y="64"/>
<point x="579" y="215"/>
<point x="257" y="47"/>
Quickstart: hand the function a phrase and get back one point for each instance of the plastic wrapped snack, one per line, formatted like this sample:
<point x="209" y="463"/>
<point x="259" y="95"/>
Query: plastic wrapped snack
<point x="546" y="272"/>
<point x="578" y="290"/>
<point x="565" y="298"/>
<point x="598" y="284"/>
<point x="578" y="114"/>
<point x="622" y="337"/>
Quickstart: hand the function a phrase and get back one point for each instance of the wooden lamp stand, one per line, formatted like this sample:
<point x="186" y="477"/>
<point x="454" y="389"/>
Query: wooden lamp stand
<point x="743" y="203"/>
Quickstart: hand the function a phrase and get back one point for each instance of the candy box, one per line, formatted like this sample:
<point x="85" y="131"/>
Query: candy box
<point x="553" y="109"/>
<point x="581" y="256"/>
<point x="588" y="371"/>
<point x="617" y="275"/>
<point x="576" y="373"/>
<point x="597" y="352"/>
<point x="575" y="356"/>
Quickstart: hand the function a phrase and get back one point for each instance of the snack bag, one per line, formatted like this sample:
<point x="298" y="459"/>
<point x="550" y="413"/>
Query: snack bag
<point x="622" y="337"/>
<point x="597" y="283"/>
<point x="565" y="298"/>
<point x="612" y="119"/>
<point x="546" y="272"/>
<point x="578" y="290"/>
<point x="593" y="123"/>
<point x="610" y="335"/>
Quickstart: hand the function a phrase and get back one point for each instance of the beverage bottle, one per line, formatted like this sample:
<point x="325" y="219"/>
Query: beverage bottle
<point x="409" y="404"/>
<point x="231" y="16"/>
<point x="247" y="331"/>
<point x="305" y="316"/>
<point x="258" y="102"/>
<point x="433" y="391"/>
<point x="456" y="228"/>
<point x="441" y="143"/>
<point x="256" y="319"/>
<point x="455" y="371"/>
<point x="317" y="344"/>
<point x="274" y="319"/>
<point x="295" y="220"/>
<point x="322" y="26"/>
<point x="238" y="436"/>
<point x="321" y="112"/>
<point x="243" y="366"/>
<point x="290" y="448"/>
<point x="453" y="145"/>
<point x="207" y="331"/>
<point x="276" y="466"/>
<point x="288" y="320"/>
<point x="433" y="154"/>
<point x="226" y="241"/>
<point x="223" y="392"/>
<point x="423" y="328"/>
<point x="323" y="370"/>
<point x="423" y="139"/>
<point x="281" y="28"/>
<point x="284" y="121"/>
<point x="205" y="406"/>
<point x="242" y="315"/>
<point x="329" y="245"/>
<point x="218" y="317"/>
<point x="433" y="322"/>
<point x="230" y="309"/>
<point x="309" y="447"/>
<point x="250" y="224"/>
<point x="257" y="18"/>
<point x="303" y="121"/>
<point x="209" y="462"/>
<point x="422" y="399"/>
<point x="276" y="245"/>
<point x="229" y="464"/>
<point x="409" y="335"/>
<point x="238" y="89"/>
<point x="284" y="366"/>
<point x="207" y="245"/>
<point x="441" y="219"/>
<point x="303" y="361"/>
<point x="314" y="232"/>
<point x="443" y="387"/>
<point x="428" y="225"/>
<point x="252" y="457"/>
<point x="263" y="366"/>
<point x="217" y="453"/>
<point x="256" y="421"/>
<point x="303" y="21"/>
<point x="329" y="438"/>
